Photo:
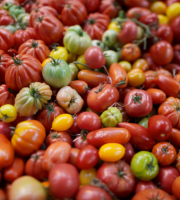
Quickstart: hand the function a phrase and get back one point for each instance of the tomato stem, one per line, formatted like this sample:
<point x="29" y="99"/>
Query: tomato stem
<point x="137" y="98"/>
<point x="76" y="62"/>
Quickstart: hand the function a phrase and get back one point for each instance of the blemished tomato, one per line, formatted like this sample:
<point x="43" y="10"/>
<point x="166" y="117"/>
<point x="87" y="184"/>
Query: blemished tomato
<point x="111" y="152"/>
<point x="136" y="77"/>
<point x="86" y="176"/>
<point x="8" y="113"/>
<point x="175" y="187"/>
<point x="62" y="122"/>
<point x="59" y="53"/>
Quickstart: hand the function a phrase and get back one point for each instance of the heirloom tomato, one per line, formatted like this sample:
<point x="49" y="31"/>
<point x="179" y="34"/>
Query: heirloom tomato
<point x="3" y="60"/>
<point x="129" y="152"/>
<point x="137" y="12"/>
<point x="80" y="140"/>
<point x="6" y="95"/>
<point x="110" y="38"/>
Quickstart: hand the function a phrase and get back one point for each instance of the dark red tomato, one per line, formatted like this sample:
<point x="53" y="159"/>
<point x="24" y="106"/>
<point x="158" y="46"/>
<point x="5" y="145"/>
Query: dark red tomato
<point x="6" y="39"/>
<point x="159" y="127"/>
<point x="91" y="6"/>
<point x="88" y="157"/>
<point x="5" y="19"/>
<point x="138" y="103"/>
<point x="123" y="92"/>
<point x="21" y="119"/>
<point x="165" y="153"/>
<point x="175" y="24"/>
<point x="73" y="156"/>
<point x="6" y="95"/>
<point x="118" y="177"/>
<point x="66" y="176"/>
<point x="172" y="67"/>
<point x="101" y="97"/>
<point x="174" y="138"/>
<point x="74" y="128"/>
<point x="89" y="121"/>
<point x="137" y="3"/>
<point x="128" y="33"/>
<point x="94" y="57"/>
<point x="162" y="52"/>
<point x="166" y="177"/>
<point x="152" y="65"/>
<point x="129" y="153"/>
<point x="150" y="19"/>
<point x="169" y="2"/>
<point x="176" y="58"/>
<point x="158" y="96"/>
<point x="140" y="137"/>
<point x="137" y="12"/>
<point x="92" y="192"/>
<point x="143" y="185"/>
<point x="80" y="141"/>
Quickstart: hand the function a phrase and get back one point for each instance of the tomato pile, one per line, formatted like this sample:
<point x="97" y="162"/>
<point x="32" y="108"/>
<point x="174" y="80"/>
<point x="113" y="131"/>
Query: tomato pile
<point x="89" y="99"/>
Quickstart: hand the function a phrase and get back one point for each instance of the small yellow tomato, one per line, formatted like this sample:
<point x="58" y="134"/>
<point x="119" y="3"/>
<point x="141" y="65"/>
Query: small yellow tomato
<point x="71" y="57"/>
<point x="46" y="61"/>
<point x="114" y="26"/>
<point x="163" y="19"/>
<point x="136" y="77"/>
<point x="8" y="113"/>
<point x="62" y="122"/>
<point x="141" y="64"/>
<point x="81" y="59"/>
<point x="126" y="65"/>
<point x="158" y="7"/>
<point x="87" y="175"/>
<point x="111" y="152"/>
<point x="173" y="11"/>
<point x="59" y="53"/>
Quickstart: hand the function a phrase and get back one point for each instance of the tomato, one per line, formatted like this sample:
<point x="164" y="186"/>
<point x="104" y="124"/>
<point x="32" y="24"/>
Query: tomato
<point x="176" y="58"/>
<point x="70" y="100"/>
<point x="58" y="152"/>
<point x="74" y="128"/>
<point x="165" y="153"/>
<point x="129" y="152"/>
<point x="92" y="192"/>
<point x="5" y="129"/>
<point x="6" y="95"/>
<point x="174" y="138"/>
<point x="89" y="121"/>
<point x="151" y="194"/>
<point x="144" y="165"/>
<point x="87" y="175"/>
<point x="74" y="71"/>
<point x="28" y="137"/>
<point x="91" y="6"/>
<point x="137" y="12"/>
<point x="143" y="185"/>
<point x="101" y="97"/>
<point x="3" y="195"/>
<point x="126" y="65"/>
<point x="166" y="177"/>
<point x="118" y="177"/>
<point x="8" y="113"/>
<point x="174" y="26"/>
<point x="94" y="57"/>
<point x="96" y="24"/>
<point x="152" y="65"/>
<point x="80" y="141"/>
<point x="24" y="187"/>
<point x="80" y="86"/>
<point x="88" y="157"/>
<point x="81" y="63"/>
<point x="175" y="187"/>
<point x="140" y="137"/>
<point x="33" y="166"/>
<point x="5" y="19"/>
<point x="98" y="43"/>
<point x="173" y="10"/>
<point x="67" y="176"/>
<point x="35" y="48"/>
<point x="137" y="3"/>
<point x="6" y="39"/>
<point x="110" y="57"/>
<point x="158" y="7"/>
<point x="114" y="26"/>
<point x="47" y="60"/>
<point x="59" y="53"/>
<point x="141" y="64"/>
<point x="158" y="96"/>
<point x="150" y="19"/>
<point x="73" y="157"/>
<point x="20" y="118"/>
<point x="163" y="19"/>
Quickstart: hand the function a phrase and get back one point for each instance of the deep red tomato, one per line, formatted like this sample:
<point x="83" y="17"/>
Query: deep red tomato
<point x="177" y="163"/>
<point x="3" y="60"/>
<point x="67" y="176"/>
<point x="165" y="153"/>
<point x="33" y="166"/>
<point x="5" y="19"/>
<point x="91" y="6"/>
<point x="176" y="58"/>
<point x="143" y="185"/>
<point x="80" y="141"/>
<point x="6" y="39"/>
<point x="88" y="157"/>
<point x="73" y="157"/>
<point x="140" y="137"/>
<point x="74" y="128"/>
<point x="138" y="103"/>
<point x="158" y="96"/>
<point x="6" y="95"/>
<point x="159" y="127"/>
<point x="166" y="177"/>
<point x="5" y="129"/>
<point x="118" y="177"/>
<point x="175" y="23"/>
<point x="137" y="12"/>
<point x="137" y="3"/>
<point x="175" y="137"/>
<point x="150" y="19"/>
<point x="162" y="52"/>
<point x="129" y="153"/>
<point x="152" y="65"/>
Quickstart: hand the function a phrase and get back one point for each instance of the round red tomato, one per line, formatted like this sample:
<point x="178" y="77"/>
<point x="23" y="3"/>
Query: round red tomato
<point x="73" y="156"/>
<point x="143" y="185"/>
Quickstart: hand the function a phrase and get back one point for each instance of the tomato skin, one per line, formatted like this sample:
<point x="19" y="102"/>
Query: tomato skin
<point x="129" y="152"/>
<point x="158" y="96"/>
<point x="103" y="136"/>
<point x="140" y="137"/>
<point x="87" y="175"/>
<point x="6" y="95"/>
<point x="91" y="6"/>
<point x="5" y="129"/>
<point x="143" y="185"/>
<point x="152" y="65"/>
<point x="6" y="39"/>
<point x="80" y="141"/>
<point x="92" y="192"/>
<point x="178" y="161"/>
<point x="175" y="187"/>
<point x="134" y="11"/>
<point x="33" y="166"/>
<point x="176" y="58"/>
<point x="137" y="3"/>
<point x="88" y="157"/>
<point x="80" y="86"/>
<point x="73" y="157"/>
<point x="118" y="177"/>
<point x="20" y="118"/>
<point x="89" y="121"/>
<point x="101" y="97"/>
<point x="74" y="129"/>
<point x="174" y="138"/>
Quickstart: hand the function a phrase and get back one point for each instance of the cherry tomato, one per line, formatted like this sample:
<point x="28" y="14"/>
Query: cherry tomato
<point x="86" y="176"/>
<point x="8" y="113"/>
<point x="80" y="141"/>
<point x="136" y="77"/>
<point x="173" y="11"/>
<point x="158" y="7"/>
<point x="59" y="53"/>
<point x="129" y="152"/>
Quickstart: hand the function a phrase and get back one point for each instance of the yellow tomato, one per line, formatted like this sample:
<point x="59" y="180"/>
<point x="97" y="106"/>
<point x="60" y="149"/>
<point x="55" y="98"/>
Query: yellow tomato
<point x="87" y="175"/>
<point x="8" y="113"/>
<point x="114" y="26"/>
<point x="158" y="7"/>
<point x="173" y="11"/>
<point x="163" y="19"/>
<point x="62" y="122"/>
<point x="141" y="64"/>
<point x="111" y="152"/>
<point x="126" y="65"/>
<point x="136" y="77"/>
<point x="71" y="57"/>
<point x="81" y="59"/>
<point x="59" y="53"/>
<point x="46" y="61"/>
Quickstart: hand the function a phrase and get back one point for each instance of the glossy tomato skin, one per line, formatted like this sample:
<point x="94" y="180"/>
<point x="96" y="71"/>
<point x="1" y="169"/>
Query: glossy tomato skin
<point x="174" y="26"/>
<point x="175" y="187"/>
<point x="6" y="38"/>
<point x="67" y="176"/>
<point x="73" y="157"/>
<point x="123" y="92"/>
<point x="174" y="138"/>
<point x="118" y="177"/>
<point x="152" y="64"/>
<point x="158" y="96"/>
<point x="137" y="3"/>
<point x="140" y="137"/>
<point x="74" y="129"/>
<point x="80" y="141"/>
<point x="101" y="97"/>
<point x="91" y="6"/>
<point x="6" y="95"/>
<point x="92" y="192"/>
<point x="89" y="121"/>
<point x="80" y="86"/>
<point x="137" y="11"/>
<point x="138" y="103"/>
<point x="143" y="185"/>
<point x="176" y="58"/>
<point x="129" y="152"/>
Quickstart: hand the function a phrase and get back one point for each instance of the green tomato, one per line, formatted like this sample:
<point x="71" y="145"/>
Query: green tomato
<point x="16" y="10"/>
<point x="110" y="57"/>
<point x="74" y="71"/>
<point x="20" y="16"/>
<point x="7" y="5"/>
<point x="144" y="165"/>
<point x="25" y="20"/>
<point x="76" y="40"/>
<point x="110" y="37"/>
<point x="98" y="43"/>
<point x="57" y="73"/>
<point x="111" y="117"/>
<point x="144" y="122"/>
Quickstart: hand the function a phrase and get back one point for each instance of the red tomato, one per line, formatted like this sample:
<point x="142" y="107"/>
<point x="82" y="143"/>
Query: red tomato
<point x="137" y="12"/>
<point x="150" y="19"/>
<point x="73" y="156"/>
<point x="101" y="97"/>
<point x="88" y="157"/>
<point x="172" y="67"/>
<point x="6" y="95"/>
<point x="159" y="127"/>
<point x="177" y="163"/>
<point x="74" y="128"/>
<point x="175" y="137"/>
<point x="143" y="185"/>
<point x="123" y="92"/>
<point x="129" y="153"/>
<point x="5" y="129"/>
<point x="138" y="103"/>
<point x="158" y="96"/>
<point x="80" y="141"/>
<point x="137" y="3"/>
<point x="3" y="195"/>
<point x="21" y="119"/>
<point x="152" y="65"/>
<point x="66" y="176"/>
<point x="91" y="6"/>
<point x="6" y="39"/>
<point x="5" y="19"/>
<point x="176" y="58"/>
